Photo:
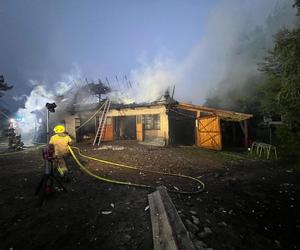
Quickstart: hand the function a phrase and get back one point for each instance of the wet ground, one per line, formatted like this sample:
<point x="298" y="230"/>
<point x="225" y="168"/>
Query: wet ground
<point x="247" y="204"/>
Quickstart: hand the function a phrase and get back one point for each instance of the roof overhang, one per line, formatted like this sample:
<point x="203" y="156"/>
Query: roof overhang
<point x="223" y="114"/>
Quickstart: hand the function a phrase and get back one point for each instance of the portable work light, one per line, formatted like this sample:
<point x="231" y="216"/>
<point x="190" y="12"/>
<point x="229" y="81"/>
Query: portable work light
<point x="51" y="107"/>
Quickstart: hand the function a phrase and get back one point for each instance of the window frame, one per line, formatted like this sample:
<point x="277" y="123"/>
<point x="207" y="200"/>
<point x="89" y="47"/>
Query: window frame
<point x="151" y="121"/>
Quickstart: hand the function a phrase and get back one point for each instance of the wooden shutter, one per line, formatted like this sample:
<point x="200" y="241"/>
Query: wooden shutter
<point x="139" y="128"/>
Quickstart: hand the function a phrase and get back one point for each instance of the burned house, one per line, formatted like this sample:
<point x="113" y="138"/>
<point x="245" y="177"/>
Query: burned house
<point x="162" y="123"/>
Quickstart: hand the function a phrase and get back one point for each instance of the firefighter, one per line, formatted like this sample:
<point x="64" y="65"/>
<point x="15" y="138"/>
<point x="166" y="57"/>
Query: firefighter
<point x="60" y="141"/>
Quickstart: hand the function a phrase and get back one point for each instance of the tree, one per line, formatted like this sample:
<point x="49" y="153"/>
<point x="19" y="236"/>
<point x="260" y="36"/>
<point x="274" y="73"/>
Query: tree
<point x="98" y="89"/>
<point x="281" y="89"/>
<point x="297" y="5"/>
<point x="3" y="85"/>
<point x="3" y="112"/>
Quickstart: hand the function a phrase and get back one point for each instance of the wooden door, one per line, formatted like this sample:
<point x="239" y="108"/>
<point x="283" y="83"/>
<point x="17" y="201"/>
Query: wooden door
<point x="209" y="133"/>
<point x="139" y="128"/>
<point x="108" y="132"/>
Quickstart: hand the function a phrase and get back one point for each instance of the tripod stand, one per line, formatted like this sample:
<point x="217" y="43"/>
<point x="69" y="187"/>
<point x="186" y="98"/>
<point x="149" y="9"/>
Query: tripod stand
<point x="46" y="185"/>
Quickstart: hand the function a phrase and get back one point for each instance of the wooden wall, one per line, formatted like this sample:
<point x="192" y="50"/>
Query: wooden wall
<point x="163" y="132"/>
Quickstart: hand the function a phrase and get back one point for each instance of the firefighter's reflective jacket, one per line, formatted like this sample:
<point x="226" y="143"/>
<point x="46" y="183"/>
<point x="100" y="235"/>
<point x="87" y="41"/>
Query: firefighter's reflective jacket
<point x="60" y="142"/>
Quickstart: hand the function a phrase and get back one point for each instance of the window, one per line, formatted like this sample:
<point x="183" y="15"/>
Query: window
<point x="108" y="120"/>
<point x="77" y="122"/>
<point x="151" y="122"/>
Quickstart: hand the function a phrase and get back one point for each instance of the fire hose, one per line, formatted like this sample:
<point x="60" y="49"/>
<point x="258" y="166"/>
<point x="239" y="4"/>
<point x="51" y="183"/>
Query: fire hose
<point x="200" y="186"/>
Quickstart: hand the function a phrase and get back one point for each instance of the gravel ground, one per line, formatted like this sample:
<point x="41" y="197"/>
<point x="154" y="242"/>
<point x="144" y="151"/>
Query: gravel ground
<point x="247" y="204"/>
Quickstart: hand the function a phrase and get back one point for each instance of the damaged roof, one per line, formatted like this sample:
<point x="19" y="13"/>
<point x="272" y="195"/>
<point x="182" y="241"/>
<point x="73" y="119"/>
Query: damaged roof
<point x="223" y="114"/>
<point x="117" y="106"/>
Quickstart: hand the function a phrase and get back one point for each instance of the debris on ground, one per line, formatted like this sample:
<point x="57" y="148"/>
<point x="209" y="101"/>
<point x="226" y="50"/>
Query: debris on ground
<point x="106" y="212"/>
<point x="221" y="217"/>
<point x="110" y="147"/>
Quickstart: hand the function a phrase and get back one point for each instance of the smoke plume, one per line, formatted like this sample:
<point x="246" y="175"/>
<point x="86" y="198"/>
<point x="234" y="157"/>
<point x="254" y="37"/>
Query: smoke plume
<point x="237" y="37"/>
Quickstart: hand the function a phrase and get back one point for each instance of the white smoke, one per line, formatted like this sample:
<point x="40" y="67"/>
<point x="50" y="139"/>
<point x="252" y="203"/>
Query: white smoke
<point x="42" y="93"/>
<point x="237" y="37"/>
<point x="37" y="99"/>
<point x="19" y="98"/>
<point x="152" y="79"/>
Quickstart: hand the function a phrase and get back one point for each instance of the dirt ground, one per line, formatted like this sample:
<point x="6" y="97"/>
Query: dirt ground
<point x="247" y="204"/>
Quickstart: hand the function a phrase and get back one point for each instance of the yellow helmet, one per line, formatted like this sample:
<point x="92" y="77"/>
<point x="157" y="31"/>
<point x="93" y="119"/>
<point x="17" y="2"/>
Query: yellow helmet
<point x="59" y="129"/>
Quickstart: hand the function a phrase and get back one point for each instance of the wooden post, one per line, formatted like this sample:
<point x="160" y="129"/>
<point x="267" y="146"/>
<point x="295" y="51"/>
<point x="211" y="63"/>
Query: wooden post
<point x="244" y="127"/>
<point x="169" y="232"/>
<point x="197" y="128"/>
<point x="270" y="133"/>
<point x="220" y="131"/>
<point x="233" y="133"/>
<point x="246" y="133"/>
